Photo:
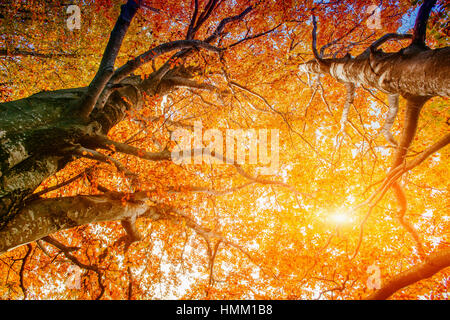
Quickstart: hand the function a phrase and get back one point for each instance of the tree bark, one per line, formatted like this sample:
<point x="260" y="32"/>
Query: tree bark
<point x="417" y="73"/>
<point x="434" y="263"/>
<point x="39" y="134"/>
<point x="407" y="72"/>
<point x="45" y="216"/>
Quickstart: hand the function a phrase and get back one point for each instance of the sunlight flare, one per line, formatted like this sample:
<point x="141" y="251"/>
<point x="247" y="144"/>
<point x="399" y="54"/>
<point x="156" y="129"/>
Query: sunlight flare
<point x="341" y="217"/>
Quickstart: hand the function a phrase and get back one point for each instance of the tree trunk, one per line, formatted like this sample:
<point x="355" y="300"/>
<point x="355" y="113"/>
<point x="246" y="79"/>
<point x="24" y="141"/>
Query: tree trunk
<point x="39" y="134"/>
<point x="409" y="72"/>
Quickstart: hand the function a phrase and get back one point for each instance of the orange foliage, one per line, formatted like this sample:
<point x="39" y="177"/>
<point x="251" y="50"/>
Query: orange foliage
<point x="286" y="245"/>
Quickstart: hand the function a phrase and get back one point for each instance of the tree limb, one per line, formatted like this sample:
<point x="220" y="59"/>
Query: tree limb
<point x="255" y="36"/>
<point x="209" y="8"/>
<point x="190" y="33"/>
<point x="67" y="253"/>
<point x="350" y="96"/>
<point x="46" y="216"/>
<point x="390" y="119"/>
<point x="434" y="263"/>
<point x="106" y="69"/>
<point x="22" y="270"/>
<point x="226" y="21"/>
<point x="36" y="195"/>
<point x="157" y="51"/>
<point x="105" y="143"/>
<point x="420" y="26"/>
<point x="133" y="235"/>
<point x="388" y="37"/>
<point x="95" y="155"/>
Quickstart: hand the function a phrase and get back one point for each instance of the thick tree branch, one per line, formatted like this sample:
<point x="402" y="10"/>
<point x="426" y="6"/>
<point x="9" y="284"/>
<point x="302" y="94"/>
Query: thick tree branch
<point x="226" y="21"/>
<point x="22" y="271"/>
<point x="106" y="69"/>
<point x="420" y="27"/>
<point x="120" y="75"/>
<point x="409" y="72"/>
<point x="434" y="263"/>
<point x="377" y="43"/>
<point x="413" y="107"/>
<point x="350" y="96"/>
<point x="388" y="37"/>
<point x="209" y="8"/>
<point x="257" y="95"/>
<point x="143" y="195"/>
<point x="42" y="217"/>
<point x="390" y="119"/>
<point x="105" y="143"/>
<point x="187" y="83"/>
<point x="133" y="234"/>
<point x="314" y="40"/>
<point x="190" y="33"/>
<point x="155" y="52"/>
<point x="403" y="206"/>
